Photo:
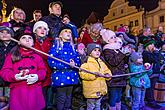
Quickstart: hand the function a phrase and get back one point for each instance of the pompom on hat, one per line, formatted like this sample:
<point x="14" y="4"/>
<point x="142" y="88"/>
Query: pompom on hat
<point x="39" y="24"/>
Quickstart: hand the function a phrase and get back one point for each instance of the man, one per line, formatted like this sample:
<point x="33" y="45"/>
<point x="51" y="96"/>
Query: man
<point x="37" y="15"/>
<point x="53" y="19"/>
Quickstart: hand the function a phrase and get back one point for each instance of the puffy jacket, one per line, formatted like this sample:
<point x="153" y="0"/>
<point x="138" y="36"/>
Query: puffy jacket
<point x="63" y="74"/>
<point x="94" y="87"/>
<point x="141" y="79"/>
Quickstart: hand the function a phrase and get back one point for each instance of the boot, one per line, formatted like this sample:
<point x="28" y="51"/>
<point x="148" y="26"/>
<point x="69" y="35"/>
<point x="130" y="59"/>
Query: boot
<point x="112" y="108"/>
<point x="118" y="106"/>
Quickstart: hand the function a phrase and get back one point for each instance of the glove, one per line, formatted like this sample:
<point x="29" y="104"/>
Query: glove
<point x="22" y="75"/>
<point x="32" y="78"/>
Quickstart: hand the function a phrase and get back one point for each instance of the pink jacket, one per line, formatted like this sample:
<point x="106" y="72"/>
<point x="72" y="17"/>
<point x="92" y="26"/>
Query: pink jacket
<point x="23" y="96"/>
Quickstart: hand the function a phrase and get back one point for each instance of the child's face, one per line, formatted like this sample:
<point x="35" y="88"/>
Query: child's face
<point x="163" y="47"/>
<point x="27" y="40"/>
<point x="95" y="53"/>
<point x="41" y="31"/>
<point x="5" y="36"/>
<point x="151" y="47"/>
<point x="66" y="35"/>
<point x="139" y="61"/>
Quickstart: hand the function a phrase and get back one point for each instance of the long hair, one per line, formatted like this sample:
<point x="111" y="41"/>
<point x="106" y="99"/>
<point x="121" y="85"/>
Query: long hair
<point x="60" y="43"/>
<point x="15" y="54"/>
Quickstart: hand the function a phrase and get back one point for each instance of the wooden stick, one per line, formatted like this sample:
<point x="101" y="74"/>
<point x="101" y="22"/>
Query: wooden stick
<point x="80" y="69"/>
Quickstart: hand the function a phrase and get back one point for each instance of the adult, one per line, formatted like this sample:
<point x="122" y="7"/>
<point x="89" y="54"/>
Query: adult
<point x="54" y="20"/>
<point x="37" y="15"/>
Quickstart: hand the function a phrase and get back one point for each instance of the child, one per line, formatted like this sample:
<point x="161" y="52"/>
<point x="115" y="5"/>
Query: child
<point x="25" y="70"/>
<point x="63" y="75"/>
<point x="43" y="43"/>
<point x="115" y="58"/>
<point x="5" y="46"/>
<point x="152" y="55"/>
<point x="94" y="87"/>
<point x="138" y="82"/>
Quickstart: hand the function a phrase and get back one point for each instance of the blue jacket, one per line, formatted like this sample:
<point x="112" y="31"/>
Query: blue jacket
<point x="63" y="74"/>
<point x="141" y="79"/>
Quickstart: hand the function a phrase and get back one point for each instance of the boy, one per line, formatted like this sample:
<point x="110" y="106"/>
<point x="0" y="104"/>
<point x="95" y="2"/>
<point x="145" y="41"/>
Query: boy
<point x="94" y="86"/>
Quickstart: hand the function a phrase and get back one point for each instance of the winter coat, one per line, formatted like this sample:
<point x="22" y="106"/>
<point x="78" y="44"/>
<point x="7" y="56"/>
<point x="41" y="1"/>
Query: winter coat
<point x="22" y="95"/>
<point x="4" y="50"/>
<point x="87" y="39"/>
<point x="63" y="74"/>
<point x="94" y="87"/>
<point x="154" y="58"/>
<point x="54" y="24"/>
<point x="141" y="79"/>
<point x="115" y="62"/>
<point x="45" y="47"/>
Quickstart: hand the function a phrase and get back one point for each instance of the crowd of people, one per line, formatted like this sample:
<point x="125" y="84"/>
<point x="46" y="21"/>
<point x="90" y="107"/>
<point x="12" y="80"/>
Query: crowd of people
<point x="120" y="65"/>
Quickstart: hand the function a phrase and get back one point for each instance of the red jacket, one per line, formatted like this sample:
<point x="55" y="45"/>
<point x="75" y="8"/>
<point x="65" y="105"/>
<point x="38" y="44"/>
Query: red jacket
<point x="87" y="39"/>
<point x="44" y="47"/>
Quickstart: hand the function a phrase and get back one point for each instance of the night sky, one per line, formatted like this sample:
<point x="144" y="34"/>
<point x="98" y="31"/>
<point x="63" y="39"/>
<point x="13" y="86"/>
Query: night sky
<point x="79" y="10"/>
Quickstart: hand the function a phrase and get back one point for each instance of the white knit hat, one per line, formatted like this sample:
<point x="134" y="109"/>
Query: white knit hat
<point x="39" y="24"/>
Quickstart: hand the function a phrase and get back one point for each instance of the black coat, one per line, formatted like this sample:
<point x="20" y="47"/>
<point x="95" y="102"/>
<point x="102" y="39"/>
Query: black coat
<point x="4" y="50"/>
<point x="54" y="24"/>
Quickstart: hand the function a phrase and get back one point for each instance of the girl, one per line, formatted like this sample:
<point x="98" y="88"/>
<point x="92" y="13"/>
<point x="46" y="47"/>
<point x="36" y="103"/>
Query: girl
<point x="43" y="43"/>
<point x="25" y="70"/>
<point x="64" y="76"/>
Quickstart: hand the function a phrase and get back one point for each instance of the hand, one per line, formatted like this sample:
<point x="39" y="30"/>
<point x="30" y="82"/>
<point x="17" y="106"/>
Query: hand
<point x="20" y="76"/>
<point x="72" y="63"/>
<point x="106" y="75"/>
<point x="32" y="78"/>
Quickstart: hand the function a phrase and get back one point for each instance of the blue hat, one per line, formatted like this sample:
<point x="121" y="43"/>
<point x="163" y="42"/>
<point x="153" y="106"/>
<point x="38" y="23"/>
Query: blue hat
<point x="9" y="30"/>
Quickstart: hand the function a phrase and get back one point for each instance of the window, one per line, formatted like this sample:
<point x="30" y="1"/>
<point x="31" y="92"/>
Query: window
<point x="121" y="11"/>
<point x="113" y="13"/>
<point x="126" y="0"/>
<point x="161" y="18"/>
<point x="115" y="28"/>
<point x="136" y="23"/>
<point x="131" y="23"/>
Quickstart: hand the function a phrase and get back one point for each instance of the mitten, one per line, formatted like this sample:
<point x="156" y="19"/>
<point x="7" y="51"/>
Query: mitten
<point x="22" y="75"/>
<point x="32" y="78"/>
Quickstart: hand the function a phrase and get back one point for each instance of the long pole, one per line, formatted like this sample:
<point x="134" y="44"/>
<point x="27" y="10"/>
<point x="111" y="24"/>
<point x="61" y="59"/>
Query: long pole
<point x="81" y="69"/>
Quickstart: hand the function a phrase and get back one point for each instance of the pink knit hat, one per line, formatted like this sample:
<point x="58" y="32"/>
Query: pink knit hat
<point x="107" y="34"/>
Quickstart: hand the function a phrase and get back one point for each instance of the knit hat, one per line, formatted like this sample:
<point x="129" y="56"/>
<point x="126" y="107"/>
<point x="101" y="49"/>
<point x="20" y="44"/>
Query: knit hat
<point x="148" y="41"/>
<point x="9" y="30"/>
<point x="107" y="34"/>
<point x="24" y="31"/>
<point x="135" y="56"/>
<point x="92" y="46"/>
<point x="39" y="24"/>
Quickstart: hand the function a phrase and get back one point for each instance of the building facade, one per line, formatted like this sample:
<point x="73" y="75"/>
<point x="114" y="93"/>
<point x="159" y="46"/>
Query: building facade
<point x="120" y="13"/>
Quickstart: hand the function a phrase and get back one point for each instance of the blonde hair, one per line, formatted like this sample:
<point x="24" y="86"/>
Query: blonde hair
<point x="11" y="16"/>
<point x="60" y="42"/>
